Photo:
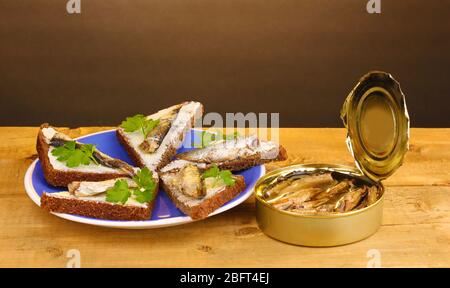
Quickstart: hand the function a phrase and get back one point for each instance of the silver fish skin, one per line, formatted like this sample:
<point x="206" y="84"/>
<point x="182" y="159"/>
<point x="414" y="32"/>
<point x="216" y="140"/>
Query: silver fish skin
<point x="228" y="150"/>
<point x="286" y="187"/>
<point x="154" y="139"/>
<point x="92" y="188"/>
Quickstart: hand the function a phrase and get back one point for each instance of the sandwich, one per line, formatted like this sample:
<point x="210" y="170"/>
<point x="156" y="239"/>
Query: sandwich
<point x="64" y="160"/>
<point x="236" y="154"/>
<point x="196" y="191"/>
<point x="152" y="141"/>
<point x="115" y="199"/>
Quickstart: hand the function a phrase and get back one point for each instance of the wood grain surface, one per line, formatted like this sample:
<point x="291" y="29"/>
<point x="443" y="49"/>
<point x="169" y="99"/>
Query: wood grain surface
<point x="415" y="230"/>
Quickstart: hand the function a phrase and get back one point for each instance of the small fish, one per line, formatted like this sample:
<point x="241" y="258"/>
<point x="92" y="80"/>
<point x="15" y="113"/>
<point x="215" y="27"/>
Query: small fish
<point x="370" y="198"/>
<point x="350" y="200"/>
<point x="223" y="150"/>
<point x="191" y="182"/>
<point x="60" y="139"/>
<point x="372" y="195"/>
<point x="336" y="189"/>
<point x="155" y="137"/>
<point x="328" y="204"/>
<point x="274" y="191"/>
<point x="236" y="154"/>
<point x="296" y="198"/>
<point x="110" y="162"/>
<point x="286" y="187"/>
<point x="92" y="188"/>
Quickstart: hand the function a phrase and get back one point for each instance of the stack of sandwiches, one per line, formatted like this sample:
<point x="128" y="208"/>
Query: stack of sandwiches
<point x="199" y="181"/>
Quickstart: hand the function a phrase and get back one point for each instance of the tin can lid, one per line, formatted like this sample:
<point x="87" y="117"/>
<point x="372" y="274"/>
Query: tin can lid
<point x="377" y="123"/>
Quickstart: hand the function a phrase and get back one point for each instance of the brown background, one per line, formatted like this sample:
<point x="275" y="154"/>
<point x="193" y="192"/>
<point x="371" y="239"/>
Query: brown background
<point x="299" y="58"/>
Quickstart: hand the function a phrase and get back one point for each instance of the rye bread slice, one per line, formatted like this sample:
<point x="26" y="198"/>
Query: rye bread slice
<point x="201" y="207"/>
<point x="209" y="205"/>
<point x="166" y="152"/>
<point x="95" y="209"/>
<point x="62" y="178"/>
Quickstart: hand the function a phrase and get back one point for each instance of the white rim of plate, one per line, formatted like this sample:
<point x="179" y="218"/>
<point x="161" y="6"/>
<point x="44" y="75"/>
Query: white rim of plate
<point x="28" y="182"/>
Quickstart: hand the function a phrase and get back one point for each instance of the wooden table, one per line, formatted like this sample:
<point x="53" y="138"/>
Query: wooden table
<point x="415" y="231"/>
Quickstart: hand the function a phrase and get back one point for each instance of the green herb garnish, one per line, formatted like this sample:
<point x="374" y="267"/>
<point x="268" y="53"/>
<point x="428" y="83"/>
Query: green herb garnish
<point x="225" y="175"/>
<point x="146" y="185"/>
<point x="143" y="193"/>
<point x="208" y="138"/>
<point x="139" y="122"/>
<point x="75" y="156"/>
<point x="119" y="193"/>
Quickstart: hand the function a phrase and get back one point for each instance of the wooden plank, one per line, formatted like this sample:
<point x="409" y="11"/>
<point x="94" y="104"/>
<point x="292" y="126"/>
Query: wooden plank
<point x="415" y="231"/>
<point x="427" y="162"/>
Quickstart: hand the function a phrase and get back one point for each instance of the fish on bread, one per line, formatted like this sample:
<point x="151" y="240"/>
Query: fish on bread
<point x="156" y="148"/>
<point x="114" y="199"/>
<point x="196" y="191"/>
<point x="65" y="160"/>
<point x="236" y="154"/>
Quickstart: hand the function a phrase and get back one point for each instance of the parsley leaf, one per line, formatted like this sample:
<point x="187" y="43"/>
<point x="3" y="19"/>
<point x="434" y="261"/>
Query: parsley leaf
<point x="139" y="122"/>
<point x="143" y="196"/>
<point x="118" y="193"/>
<point x="144" y="179"/>
<point x="143" y="193"/>
<point x="208" y="138"/>
<point x="149" y="125"/>
<point x="146" y="185"/>
<point x="225" y="175"/>
<point x="88" y="150"/>
<point x="74" y="156"/>
<point x="212" y="172"/>
<point x="131" y="124"/>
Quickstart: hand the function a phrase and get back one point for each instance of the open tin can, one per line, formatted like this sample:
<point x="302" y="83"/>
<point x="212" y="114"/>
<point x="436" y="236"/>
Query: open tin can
<point x="377" y="123"/>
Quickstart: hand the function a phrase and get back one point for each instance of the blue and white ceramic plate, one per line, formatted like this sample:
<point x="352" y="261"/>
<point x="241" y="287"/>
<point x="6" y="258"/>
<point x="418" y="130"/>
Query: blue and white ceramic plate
<point x="164" y="213"/>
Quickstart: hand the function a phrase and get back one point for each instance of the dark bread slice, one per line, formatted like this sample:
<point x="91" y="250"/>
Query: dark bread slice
<point x="210" y="204"/>
<point x="167" y="157"/>
<point x="95" y="209"/>
<point x="168" y="154"/>
<point x="63" y="178"/>
<point x="129" y="149"/>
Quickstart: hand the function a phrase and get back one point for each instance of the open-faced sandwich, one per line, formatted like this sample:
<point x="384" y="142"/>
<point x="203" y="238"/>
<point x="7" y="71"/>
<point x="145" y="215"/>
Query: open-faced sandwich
<point x="198" y="182"/>
<point x="64" y="160"/>
<point x="236" y="154"/>
<point x="116" y="199"/>
<point x="196" y="191"/>
<point x="152" y="141"/>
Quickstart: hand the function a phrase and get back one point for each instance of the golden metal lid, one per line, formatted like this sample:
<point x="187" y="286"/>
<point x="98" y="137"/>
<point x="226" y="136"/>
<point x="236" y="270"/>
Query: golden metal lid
<point x="377" y="122"/>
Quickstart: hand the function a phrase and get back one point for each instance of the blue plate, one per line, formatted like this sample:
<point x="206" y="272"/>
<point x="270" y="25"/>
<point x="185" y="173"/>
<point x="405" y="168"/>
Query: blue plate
<point x="165" y="213"/>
